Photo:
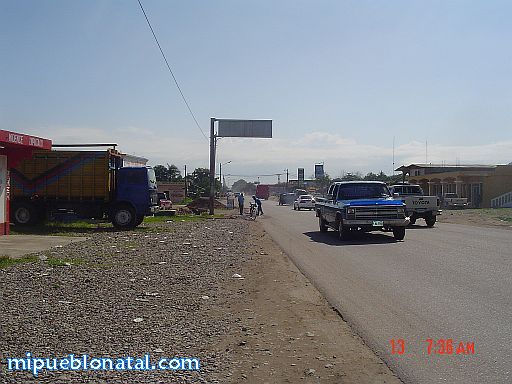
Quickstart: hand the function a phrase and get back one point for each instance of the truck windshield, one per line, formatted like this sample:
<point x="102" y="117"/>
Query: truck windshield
<point x="409" y="190"/>
<point x="151" y="178"/>
<point x="362" y="191"/>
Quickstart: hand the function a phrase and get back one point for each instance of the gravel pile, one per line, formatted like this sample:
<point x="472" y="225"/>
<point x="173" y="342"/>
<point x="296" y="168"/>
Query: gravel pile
<point x="159" y="289"/>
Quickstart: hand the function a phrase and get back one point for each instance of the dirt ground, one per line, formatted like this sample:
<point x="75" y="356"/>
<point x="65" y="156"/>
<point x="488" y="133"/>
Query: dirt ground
<point x="288" y="333"/>
<point x="496" y="218"/>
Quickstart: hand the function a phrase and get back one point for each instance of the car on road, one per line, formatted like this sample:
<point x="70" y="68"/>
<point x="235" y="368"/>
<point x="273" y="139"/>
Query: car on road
<point x="304" y="202"/>
<point x="286" y="198"/>
<point x="417" y="205"/>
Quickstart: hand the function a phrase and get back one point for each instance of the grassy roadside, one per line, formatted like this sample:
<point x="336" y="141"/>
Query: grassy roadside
<point x="87" y="227"/>
<point x="6" y="261"/>
<point x="486" y="217"/>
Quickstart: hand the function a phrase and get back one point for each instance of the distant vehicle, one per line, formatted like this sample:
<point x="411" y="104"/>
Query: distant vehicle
<point x="163" y="201"/>
<point x="299" y="192"/>
<point x="416" y="205"/>
<point x="286" y="198"/>
<point x="263" y="191"/>
<point x="453" y="201"/>
<point x="361" y="206"/>
<point x="88" y="184"/>
<point x="304" y="202"/>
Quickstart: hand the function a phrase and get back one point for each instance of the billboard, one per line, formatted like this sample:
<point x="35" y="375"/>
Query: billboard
<point x="319" y="170"/>
<point x="245" y="128"/>
<point x="300" y="176"/>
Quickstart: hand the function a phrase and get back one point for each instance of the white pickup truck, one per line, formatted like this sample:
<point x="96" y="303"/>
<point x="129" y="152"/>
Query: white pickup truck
<point x="416" y="205"/>
<point x="453" y="201"/>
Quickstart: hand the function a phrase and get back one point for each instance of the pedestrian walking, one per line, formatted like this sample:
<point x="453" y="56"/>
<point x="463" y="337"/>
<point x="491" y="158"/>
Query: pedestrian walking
<point x="241" y="203"/>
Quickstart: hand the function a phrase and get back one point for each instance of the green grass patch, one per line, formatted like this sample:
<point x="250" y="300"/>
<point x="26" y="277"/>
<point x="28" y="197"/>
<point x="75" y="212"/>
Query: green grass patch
<point x="6" y="261"/>
<point x="503" y="214"/>
<point x="64" y="229"/>
<point x="54" y="262"/>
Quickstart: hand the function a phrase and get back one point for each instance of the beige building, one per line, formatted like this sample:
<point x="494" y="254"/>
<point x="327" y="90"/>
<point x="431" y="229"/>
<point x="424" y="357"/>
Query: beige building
<point x="175" y="190"/>
<point x="484" y="186"/>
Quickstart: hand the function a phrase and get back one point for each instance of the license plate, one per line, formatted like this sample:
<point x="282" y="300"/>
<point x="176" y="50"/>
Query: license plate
<point x="378" y="223"/>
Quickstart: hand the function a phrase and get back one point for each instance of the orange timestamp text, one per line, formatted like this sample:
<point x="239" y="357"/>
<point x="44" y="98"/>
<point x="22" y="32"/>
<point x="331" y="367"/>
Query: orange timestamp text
<point x="436" y="347"/>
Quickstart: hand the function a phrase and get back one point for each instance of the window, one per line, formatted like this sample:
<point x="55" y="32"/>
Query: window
<point x="362" y="191"/>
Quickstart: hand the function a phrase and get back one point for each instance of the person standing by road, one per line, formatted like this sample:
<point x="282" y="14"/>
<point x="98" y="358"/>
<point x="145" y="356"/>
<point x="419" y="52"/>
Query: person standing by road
<point x="241" y="203"/>
<point x="258" y="203"/>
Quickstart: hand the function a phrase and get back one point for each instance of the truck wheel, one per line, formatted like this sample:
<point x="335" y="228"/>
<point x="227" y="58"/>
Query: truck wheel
<point x="399" y="233"/>
<point x="321" y="224"/>
<point x="430" y="220"/>
<point x="24" y="214"/>
<point x="412" y="220"/>
<point x="343" y="231"/>
<point x="123" y="217"/>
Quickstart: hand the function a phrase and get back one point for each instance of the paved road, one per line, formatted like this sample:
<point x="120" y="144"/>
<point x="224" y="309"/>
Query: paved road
<point x="447" y="282"/>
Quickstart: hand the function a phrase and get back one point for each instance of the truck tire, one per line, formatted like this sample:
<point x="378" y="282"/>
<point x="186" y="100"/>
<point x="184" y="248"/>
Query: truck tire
<point x="343" y="231"/>
<point x="24" y="214"/>
<point x="412" y="219"/>
<point x="399" y="233"/>
<point x="430" y="220"/>
<point x="123" y="217"/>
<point x="321" y="224"/>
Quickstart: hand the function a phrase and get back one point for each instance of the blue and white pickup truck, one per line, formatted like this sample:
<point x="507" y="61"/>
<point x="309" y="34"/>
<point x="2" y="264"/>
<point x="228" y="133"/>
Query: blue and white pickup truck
<point x="361" y="206"/>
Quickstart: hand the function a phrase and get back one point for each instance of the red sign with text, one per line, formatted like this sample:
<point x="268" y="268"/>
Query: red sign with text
<point x="19" y="139"/>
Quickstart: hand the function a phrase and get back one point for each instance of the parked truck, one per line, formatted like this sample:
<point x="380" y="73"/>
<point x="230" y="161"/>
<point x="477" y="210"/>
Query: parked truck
<point x="453" y="201"/>
<point x="417" y="206"/>
<point x="361" y="206"/>
<point x="89" y="184"/>
<point x="263" y="191"/>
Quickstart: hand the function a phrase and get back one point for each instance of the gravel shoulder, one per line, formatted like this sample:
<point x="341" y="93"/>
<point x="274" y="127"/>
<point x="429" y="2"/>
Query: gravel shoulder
<point x="490" y="218"/>
<point x="168" y="289"/>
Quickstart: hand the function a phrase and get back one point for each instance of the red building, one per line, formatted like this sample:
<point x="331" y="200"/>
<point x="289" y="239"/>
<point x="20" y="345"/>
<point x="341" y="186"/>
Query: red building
<point x="14" y="147"/>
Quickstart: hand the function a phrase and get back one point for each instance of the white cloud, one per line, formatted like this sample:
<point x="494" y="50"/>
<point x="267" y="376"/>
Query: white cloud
<point x="269" y="156"/>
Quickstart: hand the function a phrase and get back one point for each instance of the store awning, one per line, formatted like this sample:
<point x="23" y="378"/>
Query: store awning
<point x="18" y="146"/>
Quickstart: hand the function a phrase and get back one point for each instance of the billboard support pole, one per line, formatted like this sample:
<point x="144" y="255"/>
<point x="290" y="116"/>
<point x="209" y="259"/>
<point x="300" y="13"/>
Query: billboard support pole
<point x="212" y="164"/>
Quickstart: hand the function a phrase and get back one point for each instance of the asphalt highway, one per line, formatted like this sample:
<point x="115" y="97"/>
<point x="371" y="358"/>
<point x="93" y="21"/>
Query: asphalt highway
<point x="446" y="282"/>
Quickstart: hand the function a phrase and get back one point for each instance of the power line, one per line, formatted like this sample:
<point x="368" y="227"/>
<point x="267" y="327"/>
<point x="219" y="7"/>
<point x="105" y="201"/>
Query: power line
<point x="170" y="70"/>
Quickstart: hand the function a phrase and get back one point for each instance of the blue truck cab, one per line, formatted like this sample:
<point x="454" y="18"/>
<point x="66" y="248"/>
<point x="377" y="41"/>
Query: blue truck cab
<point x="361" y="206"/>
<point x="135" y="196"/>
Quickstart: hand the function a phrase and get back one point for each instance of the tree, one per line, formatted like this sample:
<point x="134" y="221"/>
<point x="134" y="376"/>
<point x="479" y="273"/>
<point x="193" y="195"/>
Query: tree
<point x="239" y="185"/>
<point x="243" y="186"/>
<point x="161" y="173"/>
<point x="174" y="173"/>
<point x="200" y="183"/>
<point x="323" y="182"/>
<point x="352" y="176"/>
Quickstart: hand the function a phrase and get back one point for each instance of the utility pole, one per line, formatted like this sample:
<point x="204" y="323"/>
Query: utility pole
<point x="220" y="178"/>
<point x="212" y="164"/>
<point x="286" y="179"/>
<point x="186" y="186"/>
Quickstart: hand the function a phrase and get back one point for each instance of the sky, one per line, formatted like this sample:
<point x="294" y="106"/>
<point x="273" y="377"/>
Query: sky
<point x="341" y="80"/>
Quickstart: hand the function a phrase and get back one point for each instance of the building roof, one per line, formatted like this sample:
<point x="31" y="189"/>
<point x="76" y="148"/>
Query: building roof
<point x="441" y="168"/>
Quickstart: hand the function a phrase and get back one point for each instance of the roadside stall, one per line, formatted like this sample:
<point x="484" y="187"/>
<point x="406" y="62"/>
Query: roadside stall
<point x="14" y="147"/>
